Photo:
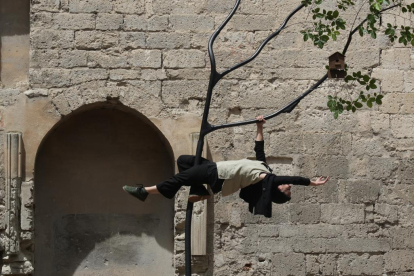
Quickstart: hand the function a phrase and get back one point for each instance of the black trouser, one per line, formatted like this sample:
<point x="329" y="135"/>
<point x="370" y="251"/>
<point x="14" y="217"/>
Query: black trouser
<point x="190" y="175"/>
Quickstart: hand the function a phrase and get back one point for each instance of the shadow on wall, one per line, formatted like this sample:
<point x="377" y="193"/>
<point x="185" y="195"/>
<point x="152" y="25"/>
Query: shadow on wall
<point x="14" y="41"/>
<point x="85" y="224"/>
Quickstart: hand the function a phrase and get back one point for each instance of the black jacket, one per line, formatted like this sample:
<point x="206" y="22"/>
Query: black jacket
<point x="259" y="195"/>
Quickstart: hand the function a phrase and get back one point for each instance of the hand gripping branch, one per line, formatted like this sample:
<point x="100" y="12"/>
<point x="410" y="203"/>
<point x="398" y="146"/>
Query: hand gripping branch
<point x="215" y="77"/>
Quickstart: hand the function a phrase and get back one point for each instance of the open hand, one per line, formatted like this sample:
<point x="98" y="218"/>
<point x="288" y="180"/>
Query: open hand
<point x="320" y="181"/>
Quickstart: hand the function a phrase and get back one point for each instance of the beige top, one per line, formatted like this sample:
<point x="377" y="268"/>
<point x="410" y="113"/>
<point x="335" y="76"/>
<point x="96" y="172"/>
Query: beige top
<point x="239" y="174"/>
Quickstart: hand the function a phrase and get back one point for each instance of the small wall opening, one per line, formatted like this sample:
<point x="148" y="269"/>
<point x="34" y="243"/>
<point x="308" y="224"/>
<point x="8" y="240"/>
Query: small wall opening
<point x="85" y="224"/>
<point x="14" y="41"/>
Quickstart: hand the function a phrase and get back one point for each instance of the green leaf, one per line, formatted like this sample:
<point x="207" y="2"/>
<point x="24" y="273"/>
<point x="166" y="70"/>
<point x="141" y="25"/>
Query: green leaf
<point x="353" y="109"/>
<point x="305" y="37"/>
<point x="369" y="103"/>
<point x="335" y="14"/>
<point x="361" y="31"/>
<point x="358" y="104"/>
<point x="348" y="78"/>
<point x="366" y="78"/>
<point x="336" y="113"/>
<point x="378" y="101"/>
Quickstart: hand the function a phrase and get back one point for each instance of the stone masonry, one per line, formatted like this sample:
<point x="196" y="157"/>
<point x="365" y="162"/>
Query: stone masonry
<point x="151" y="56"/>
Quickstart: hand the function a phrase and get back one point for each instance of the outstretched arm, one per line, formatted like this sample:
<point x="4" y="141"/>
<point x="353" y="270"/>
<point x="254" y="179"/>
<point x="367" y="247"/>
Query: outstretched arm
<point x="259" y="130"/>
<point x="259" y="143"/>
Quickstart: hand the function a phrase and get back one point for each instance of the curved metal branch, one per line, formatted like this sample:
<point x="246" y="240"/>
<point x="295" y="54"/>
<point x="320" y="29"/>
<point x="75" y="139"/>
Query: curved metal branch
<point x="216" y="33"/>
<point x="286" y="109"/>
<point x="360" y="24"/>
<point x="290" y="106"/>
<point x="263" y="43"/>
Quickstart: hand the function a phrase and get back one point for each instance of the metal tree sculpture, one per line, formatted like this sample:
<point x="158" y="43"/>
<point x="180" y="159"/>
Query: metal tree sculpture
<point x="215" y="77"/>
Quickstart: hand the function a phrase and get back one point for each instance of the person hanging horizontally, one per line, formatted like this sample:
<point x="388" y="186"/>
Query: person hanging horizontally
<point x="254" y="178"/>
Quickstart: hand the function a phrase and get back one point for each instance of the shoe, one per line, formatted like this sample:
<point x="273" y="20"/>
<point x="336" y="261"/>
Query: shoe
<point x="198" y="193"/>
<point x="138" y="192"/>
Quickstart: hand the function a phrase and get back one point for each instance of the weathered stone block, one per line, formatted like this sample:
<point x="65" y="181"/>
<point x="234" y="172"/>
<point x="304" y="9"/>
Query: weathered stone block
<point x="273" y="245"/>
<point x="285" y="143"/>
<point x="362" y="146"/>
<point x="402" y="238"/>
<point x="95" y="40"/>
<point x="129" y="6"/>
<point x="327" y="143"/>
<point x="67" y="21"/>
<point x="145" y="58"/>
<point x="363" y="59"/>
<point x="73" y="58"/>
<point x="288" y="264"/>
<point x="305" y="213"/>
<point x="342" y="213"/>
<point x="309" y="245"/>
<point x="36" y="93"/>
<point x="44" y="58"/>
<point x="99" y="59"/>
<point x="385" y="214"/>
<point x="192" y="23"/>
<point x="310" y="231"/>
<point x="27" y="202"/>
<point x="406" y="216"/>
<point x="46" y="39"/>
<point x="401" y="126"/>
<point x="380" y="122"/>
<point x="361" y="245"/>
<point x="132" y="40"/>
<point x="95" y="6"/>
<point x="141" y="23"/>
<point x="151" y="74"/>
<point x="168" y="40"/>
<point x="399" y="260"/>
<point x="365" y="264"/>
<point x="84" y="75"/>
<point x="175" y="93"/>
<point x="321" y="264"/>
<point x="109" y="21"/>
<point x="49" y="78"/>
<point x="381" y="167"/>
<point x="398" y="58"/>
<point x="251" y="23"/>
<point x="49" y="5"/>
<point x="123" y="74"/>
<point x="392" y="80"/>
<point x="177" y="7"/>
<point x="61" y="104"/>
<point x="409" y="81"/>
<point x="184" y="58"/>
<point x="361" y="191"/>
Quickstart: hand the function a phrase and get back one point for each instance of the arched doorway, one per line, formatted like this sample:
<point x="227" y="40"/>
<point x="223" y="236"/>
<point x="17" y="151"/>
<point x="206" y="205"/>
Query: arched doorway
<point x="85" y="224"/>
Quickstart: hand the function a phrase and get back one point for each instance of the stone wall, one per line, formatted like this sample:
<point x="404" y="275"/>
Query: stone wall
<point x="151" y="55"/>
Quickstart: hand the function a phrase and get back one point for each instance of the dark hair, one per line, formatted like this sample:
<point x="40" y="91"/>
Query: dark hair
<point x="278" y="196"/>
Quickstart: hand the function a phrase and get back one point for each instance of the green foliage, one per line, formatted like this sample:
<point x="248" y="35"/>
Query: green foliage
<point x="337" y="105"/>
<point x="328" y="24"/>
<point x="324" y="30"/>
